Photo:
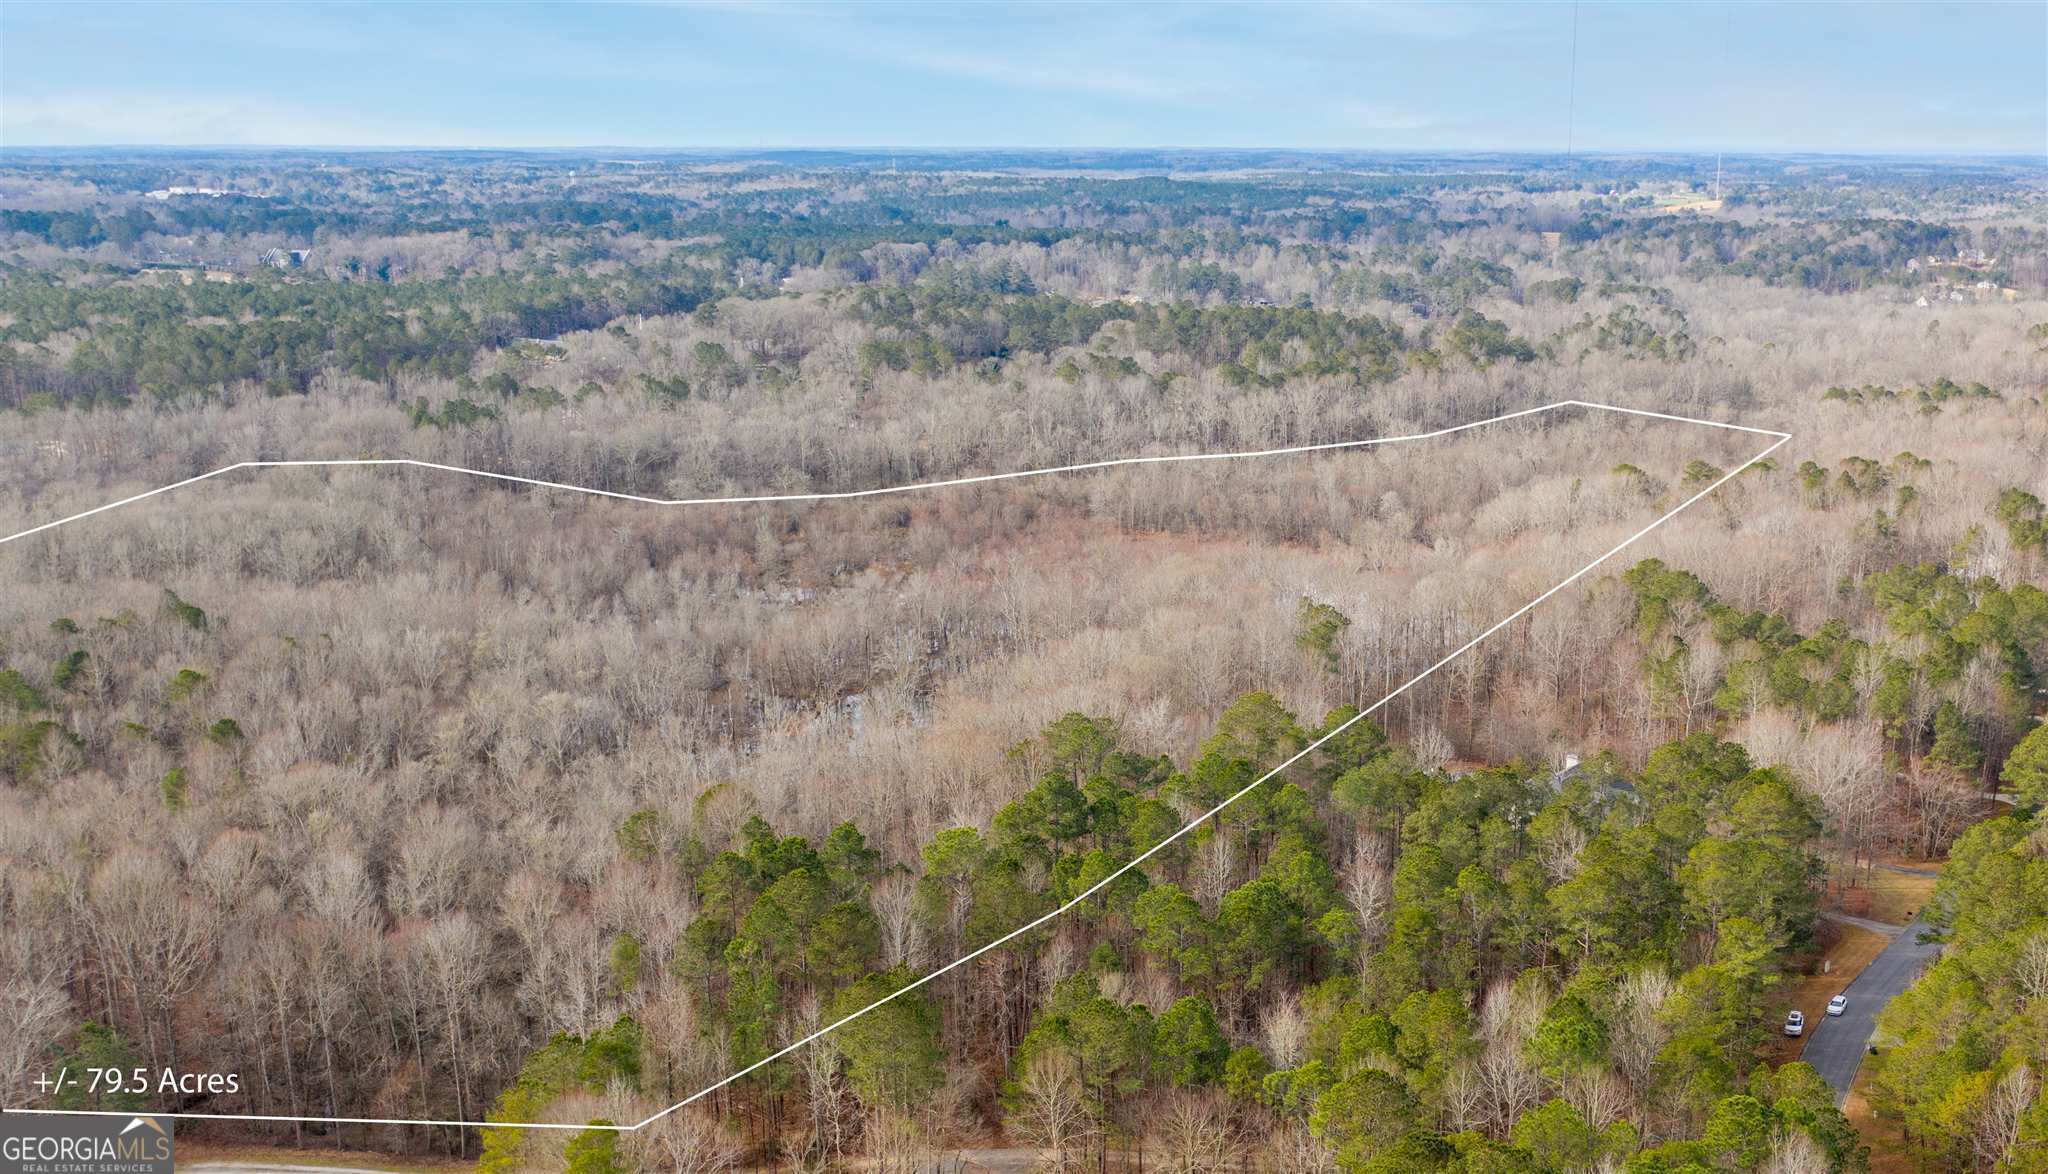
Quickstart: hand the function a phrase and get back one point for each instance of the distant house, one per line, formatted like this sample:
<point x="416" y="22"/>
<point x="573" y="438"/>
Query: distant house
<point x="1605" y="786"/>
<point x="538" y="350"/>
<point x="211" y="193"/>
<point x="286" y="258"/>
<point x="1964" y="259"/>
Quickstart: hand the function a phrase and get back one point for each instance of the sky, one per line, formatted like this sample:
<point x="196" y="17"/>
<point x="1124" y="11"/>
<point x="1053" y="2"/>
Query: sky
<point x="1946" y="78"/>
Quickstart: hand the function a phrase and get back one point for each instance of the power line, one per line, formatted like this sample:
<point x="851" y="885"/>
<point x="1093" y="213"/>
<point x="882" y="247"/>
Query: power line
<point x="1727" y="21"/>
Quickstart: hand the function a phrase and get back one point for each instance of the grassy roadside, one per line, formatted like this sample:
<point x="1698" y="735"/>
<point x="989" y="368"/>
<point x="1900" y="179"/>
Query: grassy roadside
<point x="1892" y="892"/>
<point x="1889" y="1153"/>
<point x="1896" y="896"/>
<point x="1844" y="958"/>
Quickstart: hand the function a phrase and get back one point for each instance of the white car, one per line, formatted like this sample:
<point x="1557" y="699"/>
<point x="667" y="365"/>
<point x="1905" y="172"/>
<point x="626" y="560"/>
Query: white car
<point x="1838" y="1004"/>
<point x="1795" y="1024"/>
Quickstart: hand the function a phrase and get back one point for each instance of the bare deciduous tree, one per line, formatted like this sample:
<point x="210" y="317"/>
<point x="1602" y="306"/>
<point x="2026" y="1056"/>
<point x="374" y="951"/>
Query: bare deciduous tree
<point x="1998" y="1125"/>
<point x="1052" y="1111"/>
<point x="1197" y="1133"/>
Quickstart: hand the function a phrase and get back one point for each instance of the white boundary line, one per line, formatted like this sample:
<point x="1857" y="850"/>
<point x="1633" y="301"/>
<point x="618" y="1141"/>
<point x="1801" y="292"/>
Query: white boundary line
<point x="884" y="491"/>
<point x="1575" y="576"/>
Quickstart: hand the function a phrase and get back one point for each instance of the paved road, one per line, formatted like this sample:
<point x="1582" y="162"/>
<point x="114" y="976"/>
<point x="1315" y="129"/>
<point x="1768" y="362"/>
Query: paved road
<point x="1836" y="1046"/>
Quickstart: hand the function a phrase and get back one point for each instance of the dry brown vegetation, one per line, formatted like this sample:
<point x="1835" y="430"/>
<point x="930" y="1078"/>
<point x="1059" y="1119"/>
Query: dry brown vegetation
<point x="398" y="869"/>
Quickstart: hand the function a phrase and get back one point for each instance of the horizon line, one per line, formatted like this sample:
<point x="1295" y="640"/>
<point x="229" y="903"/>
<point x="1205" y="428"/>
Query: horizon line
<point x="1534" y="153"/>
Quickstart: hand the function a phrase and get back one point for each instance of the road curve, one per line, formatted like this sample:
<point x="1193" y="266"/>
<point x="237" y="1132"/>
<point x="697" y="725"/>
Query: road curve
<point x="1836" y="1045"/>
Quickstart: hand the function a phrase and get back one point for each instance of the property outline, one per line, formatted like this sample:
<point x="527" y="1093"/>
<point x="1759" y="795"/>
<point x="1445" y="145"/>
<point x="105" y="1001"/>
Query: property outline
<point x="1084" y="466"/>
<point x="1781" y="439"/>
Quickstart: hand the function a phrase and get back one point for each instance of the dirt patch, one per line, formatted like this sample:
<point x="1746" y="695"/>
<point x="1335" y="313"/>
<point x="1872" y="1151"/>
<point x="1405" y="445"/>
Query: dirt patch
<point x="1697" y="205"/>
<point x="1000" y="1161"/>
<point x="983" y="1160"/>
<point x="1840" y="962"/>
<point x="248" y="1159"/>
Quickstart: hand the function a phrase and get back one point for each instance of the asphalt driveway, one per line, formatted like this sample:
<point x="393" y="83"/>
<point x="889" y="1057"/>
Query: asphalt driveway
<point x="1835" y="1046"/>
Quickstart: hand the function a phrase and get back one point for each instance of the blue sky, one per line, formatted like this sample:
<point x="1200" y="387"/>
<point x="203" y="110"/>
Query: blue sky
<point x="1947" y="78"/>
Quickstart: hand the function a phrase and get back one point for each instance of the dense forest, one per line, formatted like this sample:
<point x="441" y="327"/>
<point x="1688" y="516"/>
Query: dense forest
<point x="399" y="793"/>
